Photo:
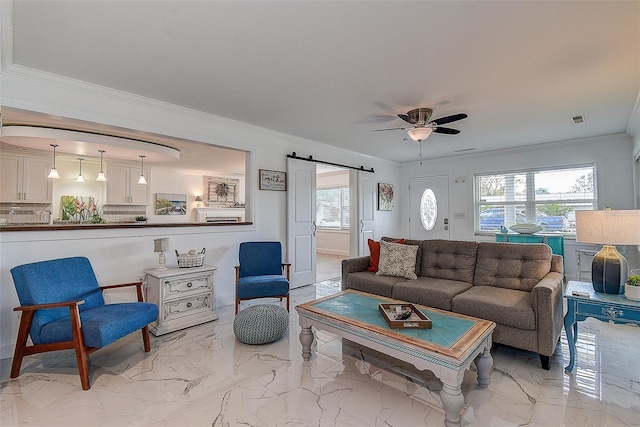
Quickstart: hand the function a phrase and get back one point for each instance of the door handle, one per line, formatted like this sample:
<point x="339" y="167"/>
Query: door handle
<point x="361" y="226"/>
<point x="315" y="227"/>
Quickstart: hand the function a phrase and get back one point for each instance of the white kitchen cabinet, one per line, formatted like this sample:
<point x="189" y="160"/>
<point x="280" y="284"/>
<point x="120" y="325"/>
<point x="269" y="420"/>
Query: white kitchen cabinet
<point x="123" y="187"/>
<point x="24" y="179"/>
<point x="184" y="297"/>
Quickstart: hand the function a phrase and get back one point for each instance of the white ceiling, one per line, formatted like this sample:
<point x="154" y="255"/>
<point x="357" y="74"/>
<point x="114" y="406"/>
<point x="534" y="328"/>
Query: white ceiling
<point x="334" y="71"/>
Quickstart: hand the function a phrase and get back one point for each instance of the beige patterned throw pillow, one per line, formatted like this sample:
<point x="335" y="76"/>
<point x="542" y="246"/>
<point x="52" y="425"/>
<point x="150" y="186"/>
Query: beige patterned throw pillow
<point x="397" y="260"/>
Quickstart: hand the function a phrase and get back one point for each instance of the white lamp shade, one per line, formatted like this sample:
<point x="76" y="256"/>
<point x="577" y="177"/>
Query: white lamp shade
<point x="53" y="174"/>
<point x="160" y="245"/>
<point x="609" y="227"/>
<point x="101" y="177"/>
<point x="419" y="134"/>
<point x="142" y="180"/>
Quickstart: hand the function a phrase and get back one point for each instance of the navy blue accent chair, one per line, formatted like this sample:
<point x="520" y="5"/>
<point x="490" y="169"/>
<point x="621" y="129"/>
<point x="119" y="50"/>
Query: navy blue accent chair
<point x="62" y="308"/>
<point x="260" y="273"/>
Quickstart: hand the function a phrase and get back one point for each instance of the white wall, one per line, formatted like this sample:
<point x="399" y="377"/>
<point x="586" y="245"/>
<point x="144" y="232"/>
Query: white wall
<point x="612" y="156"/>
<point x="121" y="255"/>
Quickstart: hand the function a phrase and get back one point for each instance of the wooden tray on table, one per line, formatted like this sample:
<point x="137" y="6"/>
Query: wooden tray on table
<point x="415" y="320"/>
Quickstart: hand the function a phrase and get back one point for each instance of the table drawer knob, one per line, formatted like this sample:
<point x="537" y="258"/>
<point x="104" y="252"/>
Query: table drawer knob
<point x="612" y="312"/>
<point x="189" y="304"/>
<point x="189" y="285"/>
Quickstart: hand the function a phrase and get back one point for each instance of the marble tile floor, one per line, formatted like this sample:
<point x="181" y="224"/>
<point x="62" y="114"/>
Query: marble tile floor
<point x="202" y="376"/>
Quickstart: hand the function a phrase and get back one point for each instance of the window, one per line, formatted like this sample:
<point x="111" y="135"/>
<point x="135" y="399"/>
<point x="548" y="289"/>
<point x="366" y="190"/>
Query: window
<point x="546" y="197"/>
<point x="332" y="208"/>
<point x="428" y="209"/>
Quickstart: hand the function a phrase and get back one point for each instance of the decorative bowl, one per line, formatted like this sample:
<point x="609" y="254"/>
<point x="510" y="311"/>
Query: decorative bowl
<point x="526" y="228"/>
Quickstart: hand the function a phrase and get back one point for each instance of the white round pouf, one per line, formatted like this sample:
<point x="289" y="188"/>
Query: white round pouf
<point x="261" y="324"/>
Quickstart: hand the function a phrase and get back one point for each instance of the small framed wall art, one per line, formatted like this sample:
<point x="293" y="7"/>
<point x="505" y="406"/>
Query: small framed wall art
<point x="273" y="180"/>
<point x="385" y="197"/>
<point x="171" y="204"/>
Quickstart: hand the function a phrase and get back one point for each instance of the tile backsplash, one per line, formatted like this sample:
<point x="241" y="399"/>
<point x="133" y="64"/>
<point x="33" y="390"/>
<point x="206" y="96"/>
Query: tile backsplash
<point x="26" y="213"/>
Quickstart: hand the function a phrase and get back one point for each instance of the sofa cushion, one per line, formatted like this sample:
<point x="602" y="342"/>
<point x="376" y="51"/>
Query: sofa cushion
<point x="367" y="281"/>
<point x="512" y="265"/>
<point x="411" y="242"/>
<point x="374" y="253"/>
<point x="504" y="306"/>
<point x="397" y="260"/>
<point x="431" y="292"/>
<point x="449" y="259"/>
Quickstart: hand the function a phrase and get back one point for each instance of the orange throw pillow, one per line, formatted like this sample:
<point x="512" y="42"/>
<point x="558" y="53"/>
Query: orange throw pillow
<point x="374" y="253"/>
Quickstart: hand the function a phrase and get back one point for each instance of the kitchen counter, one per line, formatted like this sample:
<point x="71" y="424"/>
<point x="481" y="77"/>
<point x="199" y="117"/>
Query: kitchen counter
<point x="69" y="226"/>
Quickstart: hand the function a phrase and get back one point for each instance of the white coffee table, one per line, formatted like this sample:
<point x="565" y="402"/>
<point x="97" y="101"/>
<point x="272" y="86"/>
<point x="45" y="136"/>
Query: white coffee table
<point x="447" y="349"/>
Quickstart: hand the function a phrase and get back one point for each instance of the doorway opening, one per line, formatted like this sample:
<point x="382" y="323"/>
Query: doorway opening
<point x="333" y="202"/>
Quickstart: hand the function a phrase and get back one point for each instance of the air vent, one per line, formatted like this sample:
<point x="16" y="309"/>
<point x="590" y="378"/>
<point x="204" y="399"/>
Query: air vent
<point x="577" y="119"/>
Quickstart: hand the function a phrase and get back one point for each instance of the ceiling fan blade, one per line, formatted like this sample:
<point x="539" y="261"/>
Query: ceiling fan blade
<point x="406" y="118"/>
<point x="447" y="131"/>
<point x="382" y="130"/>
<point x="449" y="119"/>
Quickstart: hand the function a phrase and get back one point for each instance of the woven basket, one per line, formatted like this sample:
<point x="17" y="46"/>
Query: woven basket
<point x="190" y="259"/>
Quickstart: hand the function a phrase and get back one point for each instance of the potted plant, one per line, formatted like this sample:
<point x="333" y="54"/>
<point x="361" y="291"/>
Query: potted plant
<point x="140" y="218"/>
<point x="632" y="287"/>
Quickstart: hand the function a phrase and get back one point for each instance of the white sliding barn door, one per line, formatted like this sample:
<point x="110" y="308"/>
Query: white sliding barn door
<point x="301" y="221"/>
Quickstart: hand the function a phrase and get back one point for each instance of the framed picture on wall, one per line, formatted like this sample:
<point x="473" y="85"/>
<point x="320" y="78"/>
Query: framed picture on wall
<point x="273" y="180"/>
<point x="385" y="197"/>
<point x="171" y="204"/>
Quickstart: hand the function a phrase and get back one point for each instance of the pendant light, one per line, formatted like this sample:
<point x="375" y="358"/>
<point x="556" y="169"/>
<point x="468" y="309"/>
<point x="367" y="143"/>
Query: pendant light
<point x="101" y="176"/>
<point x="80" y="177"/>
<point x="53" y="174"/>
<point x="142" y="180"/>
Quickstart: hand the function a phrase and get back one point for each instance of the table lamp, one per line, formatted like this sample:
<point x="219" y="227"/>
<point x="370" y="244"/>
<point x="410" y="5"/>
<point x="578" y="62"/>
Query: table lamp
<point x="161" y="245"/>
<point x="609" y="269"/>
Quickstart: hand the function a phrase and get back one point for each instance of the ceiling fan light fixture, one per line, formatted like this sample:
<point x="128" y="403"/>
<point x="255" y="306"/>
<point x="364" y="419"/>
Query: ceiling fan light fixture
<point x="419" y="133"/>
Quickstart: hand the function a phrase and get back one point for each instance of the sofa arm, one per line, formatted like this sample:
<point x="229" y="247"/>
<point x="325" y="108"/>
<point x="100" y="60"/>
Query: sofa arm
<point x="547" y="305"/>
<point x="353" y="265"/>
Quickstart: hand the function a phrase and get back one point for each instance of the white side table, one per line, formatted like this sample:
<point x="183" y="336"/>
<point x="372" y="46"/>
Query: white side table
<point x="184" y="297"/>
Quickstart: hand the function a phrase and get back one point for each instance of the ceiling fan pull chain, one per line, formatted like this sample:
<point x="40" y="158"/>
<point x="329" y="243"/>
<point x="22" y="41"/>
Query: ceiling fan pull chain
<point x="420" y="145"/>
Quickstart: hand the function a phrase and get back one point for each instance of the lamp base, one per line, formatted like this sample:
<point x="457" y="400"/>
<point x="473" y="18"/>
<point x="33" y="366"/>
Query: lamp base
<point x="161" y="261"/>
<point x="609" y="271"/>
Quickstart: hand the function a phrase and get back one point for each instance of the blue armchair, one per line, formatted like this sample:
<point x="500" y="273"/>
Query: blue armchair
<point x="260" y="273"/>
<point x="63" y="308"/>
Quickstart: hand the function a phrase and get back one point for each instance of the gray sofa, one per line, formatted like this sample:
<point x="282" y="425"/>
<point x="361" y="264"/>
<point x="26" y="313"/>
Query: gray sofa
<point x="517" y="286"/>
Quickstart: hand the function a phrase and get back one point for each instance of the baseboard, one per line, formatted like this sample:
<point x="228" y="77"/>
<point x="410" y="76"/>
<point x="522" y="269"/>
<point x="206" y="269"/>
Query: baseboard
<point x="6" y="350"/>
<point x="332" y="252"/>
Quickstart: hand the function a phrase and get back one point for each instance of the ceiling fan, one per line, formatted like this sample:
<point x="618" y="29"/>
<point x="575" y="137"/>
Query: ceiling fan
<point x="422" y="126"/>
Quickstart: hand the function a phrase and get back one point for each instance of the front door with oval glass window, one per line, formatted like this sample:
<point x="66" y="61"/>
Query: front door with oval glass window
<point x="429" y="204"/>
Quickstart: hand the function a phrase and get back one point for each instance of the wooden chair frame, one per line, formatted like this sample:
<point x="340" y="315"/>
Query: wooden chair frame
<point x="77" y="344"/>
<point x="287" y="270"/>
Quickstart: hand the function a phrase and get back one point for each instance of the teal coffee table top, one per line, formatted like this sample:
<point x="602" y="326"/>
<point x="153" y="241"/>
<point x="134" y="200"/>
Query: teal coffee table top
<point x="451" y="334"/>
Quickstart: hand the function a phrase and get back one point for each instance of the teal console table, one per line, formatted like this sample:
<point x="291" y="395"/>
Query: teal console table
<point x="556" y="242"/>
